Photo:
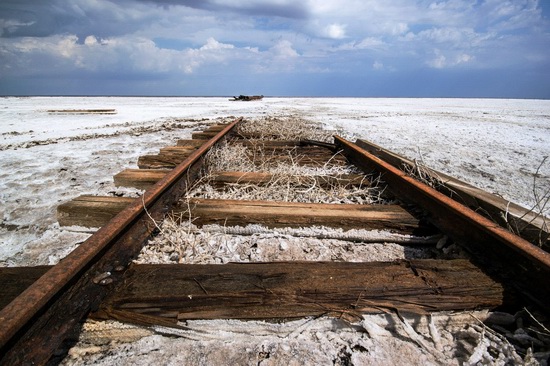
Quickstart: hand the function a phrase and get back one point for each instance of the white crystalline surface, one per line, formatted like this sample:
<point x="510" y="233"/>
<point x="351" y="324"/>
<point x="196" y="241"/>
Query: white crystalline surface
<point x="47" y="159"/>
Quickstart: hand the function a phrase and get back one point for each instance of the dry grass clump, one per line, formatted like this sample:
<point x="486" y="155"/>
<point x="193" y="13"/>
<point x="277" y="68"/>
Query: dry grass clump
<point x="239" y="158"/>
<point x="423" y="173"/>
<point x="541" y="209"/>
<point x="283" y="128"/>
<point x="229" y="157"/>
<point x="289" y="189"/>
<point x="290" y="182"/>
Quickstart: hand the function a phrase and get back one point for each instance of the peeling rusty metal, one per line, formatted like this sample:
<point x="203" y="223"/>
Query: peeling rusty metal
<point x="526" y="262"/>
<point x="23" y="318"/>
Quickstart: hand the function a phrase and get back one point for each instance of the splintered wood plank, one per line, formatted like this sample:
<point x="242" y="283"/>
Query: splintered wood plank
<point x="91" y="211"/>
<point x="139" y="178"/>
<point x="259" y="178"/>
<point x="162" y="161"/>
<point x="183" y="150"/>
<point x="203" y="135"/>
<point x="298" y="289"/>
<point x="94" y="211"/>
<point x="14" y="280"/>
<point x="191" y="143"/>
<point x="145" y="178"/>
<point x="216" y="127"/>
<point x="291" y="214"/>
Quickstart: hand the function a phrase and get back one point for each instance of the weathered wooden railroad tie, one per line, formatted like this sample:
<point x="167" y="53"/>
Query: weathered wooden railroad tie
<point x="43" y="306"/>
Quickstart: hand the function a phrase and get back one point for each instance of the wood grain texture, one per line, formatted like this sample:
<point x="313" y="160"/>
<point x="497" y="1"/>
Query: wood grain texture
<point x="298" y="289"/>
<point x="14" y="280"/>
<point x="91" y="211"/>
<point x="190" y="143"/>
<point x="292" y="214"/>
<point x="162" y="161"/>
<point x="95" y="211"/>
<point x="139" y="178"/>
<point x="183" y="150"/>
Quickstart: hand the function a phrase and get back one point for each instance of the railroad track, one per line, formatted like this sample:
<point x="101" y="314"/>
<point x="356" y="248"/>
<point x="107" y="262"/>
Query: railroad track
<point x="42" y="307"/>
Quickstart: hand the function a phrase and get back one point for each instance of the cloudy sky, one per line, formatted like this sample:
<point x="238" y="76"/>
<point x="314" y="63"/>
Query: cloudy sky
<point x="372" y="48"/>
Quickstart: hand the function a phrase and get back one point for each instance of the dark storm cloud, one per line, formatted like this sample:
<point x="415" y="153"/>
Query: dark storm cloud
<point x="31" y="18"/>
<point x="288" y="9"/>
<point x="35" y="18"/>
<point x="372" y="43"/>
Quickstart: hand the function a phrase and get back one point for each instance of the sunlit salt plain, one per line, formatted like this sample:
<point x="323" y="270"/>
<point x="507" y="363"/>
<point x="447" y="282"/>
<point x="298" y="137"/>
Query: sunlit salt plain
<point x="47" y="159"/>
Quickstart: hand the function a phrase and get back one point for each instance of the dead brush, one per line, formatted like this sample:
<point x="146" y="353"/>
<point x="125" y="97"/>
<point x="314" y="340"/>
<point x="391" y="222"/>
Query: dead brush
<point x="283" y="128"/>
<point x="540" y="208"/>
<point x="240" y="158"/>
<point x="290" y="181"/>
<point x="229" y="157"/>
<point x="421" y="172"/>
<point x="179" y="240"/>
<point x="287" y="188"/>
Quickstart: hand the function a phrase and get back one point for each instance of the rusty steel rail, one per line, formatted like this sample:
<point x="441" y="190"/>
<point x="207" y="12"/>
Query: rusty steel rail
<point x="41" y="318"/>
<point x="519" y="262"/>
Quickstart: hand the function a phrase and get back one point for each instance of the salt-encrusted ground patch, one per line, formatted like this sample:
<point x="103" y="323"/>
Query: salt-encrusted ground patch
<point x="35" y="180"/>
<point x="385" y="339"/>
<point x="185" y="243"/>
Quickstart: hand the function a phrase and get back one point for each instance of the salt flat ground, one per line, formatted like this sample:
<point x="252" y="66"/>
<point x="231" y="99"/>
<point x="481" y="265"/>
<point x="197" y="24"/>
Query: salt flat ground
<point x="47" y="159"/>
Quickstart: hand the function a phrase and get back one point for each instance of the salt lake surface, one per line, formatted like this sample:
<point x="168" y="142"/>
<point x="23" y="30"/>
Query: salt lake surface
<point x="46" y="159"/>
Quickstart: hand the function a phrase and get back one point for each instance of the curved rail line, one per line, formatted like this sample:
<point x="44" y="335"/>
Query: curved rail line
<point x="48" y="312"/>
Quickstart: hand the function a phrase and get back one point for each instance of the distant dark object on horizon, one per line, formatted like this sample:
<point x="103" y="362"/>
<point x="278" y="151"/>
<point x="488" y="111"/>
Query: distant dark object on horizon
<point x="248" y="97"/>
<point x="82" y="111"/>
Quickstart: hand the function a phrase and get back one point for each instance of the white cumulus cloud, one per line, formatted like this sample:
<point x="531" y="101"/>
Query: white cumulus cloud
<point x="283" y="49"/>
<point x="335" y="31"/>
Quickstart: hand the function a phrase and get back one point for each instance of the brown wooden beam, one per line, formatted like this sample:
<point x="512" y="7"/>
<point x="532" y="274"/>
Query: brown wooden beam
<point x="94" y="211"/>
<point x="203" y="135"/>
<point x="91" y="211"/>
<point x="161" y="161"/>
<point x="14" y="280"/>
<point x="292" y="214"/>
<point x="139" y="178"/>
<point x="216" y="127"/>
<point x="298" y="289"/>
<point x="316" y="160"/>
<point x="191" y="143"/>
<point x="183" y="150"/>
<point x="145" y="178"/>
